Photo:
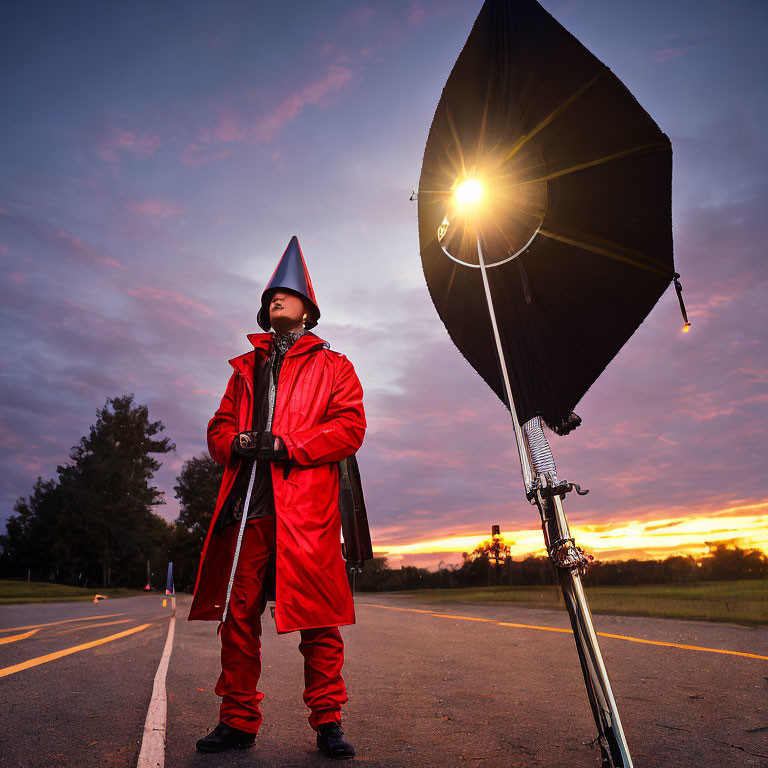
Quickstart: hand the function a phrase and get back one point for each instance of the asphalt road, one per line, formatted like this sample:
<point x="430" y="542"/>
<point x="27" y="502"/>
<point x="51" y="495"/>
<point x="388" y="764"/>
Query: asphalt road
<point x="429" y="686"/>
<point x="87" y="708"/>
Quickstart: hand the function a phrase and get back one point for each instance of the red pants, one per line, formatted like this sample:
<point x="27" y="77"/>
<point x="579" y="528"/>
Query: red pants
<point x="322" y="648"/>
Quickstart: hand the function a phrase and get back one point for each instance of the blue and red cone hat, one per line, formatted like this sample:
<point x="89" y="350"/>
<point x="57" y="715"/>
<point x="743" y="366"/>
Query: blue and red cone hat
<point x="291" y="275"/>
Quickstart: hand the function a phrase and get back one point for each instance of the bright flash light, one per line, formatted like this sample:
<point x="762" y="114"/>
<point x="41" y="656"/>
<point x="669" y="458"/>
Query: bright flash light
<point x="468" y="192"/>
<point x="686" y="328"/>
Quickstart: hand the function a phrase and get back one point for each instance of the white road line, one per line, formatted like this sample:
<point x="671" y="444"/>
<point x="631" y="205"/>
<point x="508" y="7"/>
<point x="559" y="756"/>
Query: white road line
<point x="152" y="753"/>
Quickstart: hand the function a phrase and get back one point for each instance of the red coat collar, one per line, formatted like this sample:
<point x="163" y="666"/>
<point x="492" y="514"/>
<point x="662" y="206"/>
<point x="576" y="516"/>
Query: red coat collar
<point x="262" y="344"/>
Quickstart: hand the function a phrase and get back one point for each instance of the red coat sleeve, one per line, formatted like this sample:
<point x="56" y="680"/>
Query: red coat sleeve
<point x="222" y="428"/>
<point x="341" y="431"/>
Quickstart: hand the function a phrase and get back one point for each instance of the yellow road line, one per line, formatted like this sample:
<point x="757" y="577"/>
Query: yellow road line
<point x="91" y="626"/>
<point x="569" y="632"/>
<point x="14" y="638"/>
<point x="67" y="651"/>
<point x="63" y="621"/>
<point x="533" y="626"/>
<point x="684" y="647"/>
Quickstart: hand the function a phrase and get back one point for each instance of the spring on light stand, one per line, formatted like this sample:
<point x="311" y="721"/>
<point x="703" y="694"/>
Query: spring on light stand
<point x="541" y="455"/>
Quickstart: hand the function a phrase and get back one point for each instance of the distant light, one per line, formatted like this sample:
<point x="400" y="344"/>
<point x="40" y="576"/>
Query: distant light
<point x="686" y="328"/>
<point x="469" y="192"/>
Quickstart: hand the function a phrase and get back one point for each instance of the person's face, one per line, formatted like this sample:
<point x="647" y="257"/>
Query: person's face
<point x="286" y="311"/>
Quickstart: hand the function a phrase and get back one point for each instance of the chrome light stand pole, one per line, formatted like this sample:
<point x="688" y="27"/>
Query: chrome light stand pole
<point x="543" y="489"/>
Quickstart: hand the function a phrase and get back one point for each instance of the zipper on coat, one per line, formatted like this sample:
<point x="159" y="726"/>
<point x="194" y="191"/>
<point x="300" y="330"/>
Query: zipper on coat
<point x="271" y="399"/>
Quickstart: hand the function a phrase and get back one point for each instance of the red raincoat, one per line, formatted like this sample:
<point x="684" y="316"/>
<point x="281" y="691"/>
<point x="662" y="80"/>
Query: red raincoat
<point x="319" y="416"/>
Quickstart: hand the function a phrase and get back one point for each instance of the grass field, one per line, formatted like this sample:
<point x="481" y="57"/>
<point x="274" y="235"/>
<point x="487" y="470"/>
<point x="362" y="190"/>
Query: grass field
<point x="45" y="592"/>
<point x="742" y="602"/>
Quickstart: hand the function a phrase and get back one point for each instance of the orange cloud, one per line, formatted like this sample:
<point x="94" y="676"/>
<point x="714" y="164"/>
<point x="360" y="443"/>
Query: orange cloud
<point x="744" y="524"/>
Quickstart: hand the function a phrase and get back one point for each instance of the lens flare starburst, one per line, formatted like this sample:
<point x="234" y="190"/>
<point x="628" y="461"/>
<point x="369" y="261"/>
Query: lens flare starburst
<point x="468" y="193"/>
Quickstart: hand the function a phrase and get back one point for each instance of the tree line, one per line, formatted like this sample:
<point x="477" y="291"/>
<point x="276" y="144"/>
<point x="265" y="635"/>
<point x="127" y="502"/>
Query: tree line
<point x="490" y="565"/>
<point x="95" y="525"/>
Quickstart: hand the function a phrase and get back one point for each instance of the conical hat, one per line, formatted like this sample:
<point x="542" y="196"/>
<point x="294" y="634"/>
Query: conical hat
<point x="292" y="275"/>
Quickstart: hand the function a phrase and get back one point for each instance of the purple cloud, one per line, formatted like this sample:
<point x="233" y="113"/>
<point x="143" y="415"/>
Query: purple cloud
<point x="119" y="141"/>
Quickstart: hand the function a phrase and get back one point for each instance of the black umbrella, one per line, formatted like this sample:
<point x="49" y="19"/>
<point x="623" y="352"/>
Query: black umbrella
<point x="575" y="220"/>
<point x="546" y="238"/>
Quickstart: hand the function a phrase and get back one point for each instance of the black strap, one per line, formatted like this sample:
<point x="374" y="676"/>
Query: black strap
<point x="679" y="289"/>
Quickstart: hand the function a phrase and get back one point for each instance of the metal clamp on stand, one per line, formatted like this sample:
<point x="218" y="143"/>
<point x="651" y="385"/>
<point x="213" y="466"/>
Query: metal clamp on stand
<point x="570" y="563"/>
<point x="561" y="547"/>
<point x="565" y="554"/>
<point x="562" y="488"/>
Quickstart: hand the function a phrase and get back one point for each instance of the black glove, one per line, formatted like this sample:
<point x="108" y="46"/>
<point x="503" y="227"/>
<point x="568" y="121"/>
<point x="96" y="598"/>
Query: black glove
<point x="260" y="446"/>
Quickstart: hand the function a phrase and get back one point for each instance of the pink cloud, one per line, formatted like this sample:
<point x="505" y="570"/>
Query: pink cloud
<point x="330" y="84"/>
<point x="120" y="141"/>
<point x="702" y="406"/>
<point x="232" y="126"/>
<point x="361" y="17"/>
<point x="416" y="15"/>
<point x="227" y="128"/>
<point x="757" y="375"/>
<point x="189" y="385"/>
<point x="153" y="294"/>
<point x="77" y="248"/>
<point x="418" y="12"/>
<point x="4" y="249"/>
<point x="563" y="9"/>
<point x="161" y="209"/>
<point x="761" y="398"/>
<point x="197" y="156"/>
<point x="665" y="54"/>
<point x="362" y="33"/>
<point x="88" y="183"/>
<point x="722" y="294"/>
<point x="69" y="246"/>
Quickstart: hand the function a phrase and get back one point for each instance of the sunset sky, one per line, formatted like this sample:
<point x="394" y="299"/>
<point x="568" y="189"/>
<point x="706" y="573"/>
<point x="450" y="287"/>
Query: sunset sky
<point x="157" y="157"/>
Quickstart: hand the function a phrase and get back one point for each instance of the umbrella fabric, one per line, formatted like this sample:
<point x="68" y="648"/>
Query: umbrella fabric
<point x="575" y="220"/>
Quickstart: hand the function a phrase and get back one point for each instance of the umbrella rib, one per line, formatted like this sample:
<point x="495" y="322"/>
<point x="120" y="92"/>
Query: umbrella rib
<point x="456" y="139"/>
<point x="606" y="252"/>
<point x="510" y="246"/>
<point x="659" y="146"/>
<point x="552" y="115"/>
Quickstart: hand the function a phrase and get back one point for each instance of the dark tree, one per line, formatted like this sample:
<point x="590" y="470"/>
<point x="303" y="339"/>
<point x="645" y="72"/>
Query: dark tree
<point x="484" y="564"/>
<point x="30" y="540"/>
<point x="98" y="517"/>
<point x="196" y="489"/>
<point x="728" y="561"/>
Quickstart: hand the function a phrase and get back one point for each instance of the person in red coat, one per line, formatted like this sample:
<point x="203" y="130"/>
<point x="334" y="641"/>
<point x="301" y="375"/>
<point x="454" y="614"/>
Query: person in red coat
<point x="293" y="408"/>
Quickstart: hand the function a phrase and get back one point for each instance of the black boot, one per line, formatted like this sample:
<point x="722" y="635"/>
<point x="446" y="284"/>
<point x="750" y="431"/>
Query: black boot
<point x="330" y="741"/>
<point x="224" y="737"/>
